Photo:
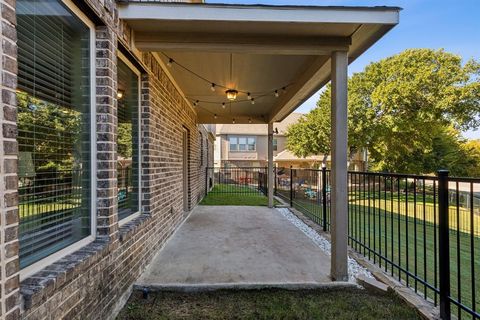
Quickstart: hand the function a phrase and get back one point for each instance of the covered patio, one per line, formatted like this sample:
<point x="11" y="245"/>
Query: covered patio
<point x="240" y="247"/>
<point x="257" y="64"/>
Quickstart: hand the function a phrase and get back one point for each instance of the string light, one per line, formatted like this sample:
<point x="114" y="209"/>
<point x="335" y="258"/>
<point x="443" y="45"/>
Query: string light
<point x="223" y="105"/>
<point x="253" y="101"/>
<point x="231" y="93"/>
<point x="284" y="90"/>
<point x="215" y="116"/>
<point x="249" y="120"/>
<point x="233" y="121"/>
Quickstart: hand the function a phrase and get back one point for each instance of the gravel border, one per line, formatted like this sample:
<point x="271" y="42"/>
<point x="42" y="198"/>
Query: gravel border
<point x="354" y="269"/>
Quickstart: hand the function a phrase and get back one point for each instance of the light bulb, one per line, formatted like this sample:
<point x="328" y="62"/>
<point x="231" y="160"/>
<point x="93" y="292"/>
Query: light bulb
<point x="284" y="90"/>
<point x="214" y="116"/>
<point x="233" y="121"/>
<point x="170" y="62"/>
<point x="249" y="97"/>
<point x="212" y="87"/>
<point x="119" y="94"/>
<point x="249" y="120"/>
<point x="223" y="105"/>
<point x="276" y="93"/>
<point x="253" y="101"/>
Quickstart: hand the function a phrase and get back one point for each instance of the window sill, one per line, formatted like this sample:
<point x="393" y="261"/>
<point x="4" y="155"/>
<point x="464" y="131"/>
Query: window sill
<point x="129" y="228"/>
<point x="38" y="287"/>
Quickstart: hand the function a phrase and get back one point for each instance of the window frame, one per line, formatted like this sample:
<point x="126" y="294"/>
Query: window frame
<point x="237" y="145"/>
<point x="44" y="262"/>
<point x="121" y="56"/>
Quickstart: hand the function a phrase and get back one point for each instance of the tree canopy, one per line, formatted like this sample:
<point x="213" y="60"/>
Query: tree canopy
<point x="406" y="110"/>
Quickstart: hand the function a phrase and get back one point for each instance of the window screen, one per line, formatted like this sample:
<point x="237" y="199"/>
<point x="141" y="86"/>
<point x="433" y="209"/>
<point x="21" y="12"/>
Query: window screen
<point x="53" y="128"/>
<point x="127" y="141"/>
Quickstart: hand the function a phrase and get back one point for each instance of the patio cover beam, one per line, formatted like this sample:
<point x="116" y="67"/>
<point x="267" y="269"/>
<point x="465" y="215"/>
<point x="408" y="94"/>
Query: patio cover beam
<point x="281" y="45"/>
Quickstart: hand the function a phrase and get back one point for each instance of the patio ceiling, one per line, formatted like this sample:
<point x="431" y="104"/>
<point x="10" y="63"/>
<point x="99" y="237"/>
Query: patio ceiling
<point x="252" y="48"/>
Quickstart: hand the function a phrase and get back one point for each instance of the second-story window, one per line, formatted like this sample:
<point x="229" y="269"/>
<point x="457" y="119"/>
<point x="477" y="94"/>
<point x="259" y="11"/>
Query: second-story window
<point x="242" y="143"/>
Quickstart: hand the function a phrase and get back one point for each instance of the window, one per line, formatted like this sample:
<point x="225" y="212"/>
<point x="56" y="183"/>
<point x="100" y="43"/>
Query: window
<point x="54" y="128"/>
<point x="128" y="164"/>
<point x="242" y="143"/>
<point x="233" y="143"/>
<point x="275" y="144"/>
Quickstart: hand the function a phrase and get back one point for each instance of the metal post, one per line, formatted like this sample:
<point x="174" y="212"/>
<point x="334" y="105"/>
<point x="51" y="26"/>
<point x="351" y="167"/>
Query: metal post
<point x="206" y="181"/>
<point x="275" y="184"/>
<point x="270" y="165"/>
<point x="443" y="244"/>
<point x="324" y="197"/>
<point x="291" y="186"/>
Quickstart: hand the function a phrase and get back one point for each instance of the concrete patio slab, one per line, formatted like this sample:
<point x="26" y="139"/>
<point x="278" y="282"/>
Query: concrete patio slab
<point x="237" y="247"/>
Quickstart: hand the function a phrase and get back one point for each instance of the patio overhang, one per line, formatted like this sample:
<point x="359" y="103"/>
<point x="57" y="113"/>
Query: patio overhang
<point x="252" y="48"/>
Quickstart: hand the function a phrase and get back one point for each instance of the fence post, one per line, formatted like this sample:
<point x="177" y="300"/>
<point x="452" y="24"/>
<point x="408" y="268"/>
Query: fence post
<point x="206" y="181"/>
<point x="324" y="198"/>
<point x="291" y="186"/>
<point x="443" y="244"/>
<point x="275" y="181"/>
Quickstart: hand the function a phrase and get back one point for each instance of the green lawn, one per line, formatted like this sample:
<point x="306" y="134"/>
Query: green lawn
<point x="267" y="304"/>
<point x="234" y="195"/>
<point x="387" y="230"/>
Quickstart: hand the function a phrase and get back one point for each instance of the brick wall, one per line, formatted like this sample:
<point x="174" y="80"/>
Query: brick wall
<point x="9" y="278"/>
<point x="93" y="282"/>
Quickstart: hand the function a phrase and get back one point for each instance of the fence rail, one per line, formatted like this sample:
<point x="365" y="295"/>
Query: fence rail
<point x="236" y="180"/>
<point x="423" y="230"/>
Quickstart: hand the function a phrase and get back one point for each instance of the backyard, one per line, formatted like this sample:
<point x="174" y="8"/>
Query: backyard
<point x="393" y="231"/>
<point x="267" y="304"/>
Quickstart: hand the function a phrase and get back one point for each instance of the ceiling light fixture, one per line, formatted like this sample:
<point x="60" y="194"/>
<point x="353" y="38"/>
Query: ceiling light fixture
<point x="233" y="121"/>
<point x="253" y="101"/>
<point x="214" y="116"/>
<point x="170" y="62"/>
<point x="212" y="87"/>
<point x="231" y="94"/>
<point x="223" y="105"/>
<point x="249" y="97"/>
<point x="276" y="94"/>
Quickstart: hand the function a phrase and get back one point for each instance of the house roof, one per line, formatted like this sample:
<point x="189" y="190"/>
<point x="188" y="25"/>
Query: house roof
<point x="287" y="155"/>
<point x="258" y="129"/>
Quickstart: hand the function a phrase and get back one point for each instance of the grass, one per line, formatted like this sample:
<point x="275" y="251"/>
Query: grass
<point x="387" y="230"/>
<point x="234" y="195"/>
<point x="267" y="304"/>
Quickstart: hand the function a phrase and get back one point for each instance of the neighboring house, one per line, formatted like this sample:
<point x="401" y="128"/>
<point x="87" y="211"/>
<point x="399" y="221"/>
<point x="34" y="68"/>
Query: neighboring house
<point x="105" y="141"/>
<point x="246" y="145"/>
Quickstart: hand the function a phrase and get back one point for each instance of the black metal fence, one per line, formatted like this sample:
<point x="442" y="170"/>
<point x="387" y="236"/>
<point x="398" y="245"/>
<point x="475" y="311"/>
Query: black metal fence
<point x="237" y="180"/>
<point x="423" y="230"/>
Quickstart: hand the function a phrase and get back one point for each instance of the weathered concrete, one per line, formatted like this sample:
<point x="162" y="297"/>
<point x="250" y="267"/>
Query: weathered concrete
<point x="237" y="245"/>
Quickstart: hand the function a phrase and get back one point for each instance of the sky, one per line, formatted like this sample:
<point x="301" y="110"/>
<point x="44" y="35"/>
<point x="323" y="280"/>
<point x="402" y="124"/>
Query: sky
<point x="450" y="24"/>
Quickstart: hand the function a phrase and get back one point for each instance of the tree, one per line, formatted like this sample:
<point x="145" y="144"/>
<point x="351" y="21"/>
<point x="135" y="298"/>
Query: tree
<point x="398" y="109"/>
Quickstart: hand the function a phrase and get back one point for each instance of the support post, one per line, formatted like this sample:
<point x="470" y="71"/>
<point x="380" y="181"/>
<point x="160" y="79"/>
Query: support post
<point x="443" y="244"/>
<point x="270" y="165"/>
<point x="339" y="196"/>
